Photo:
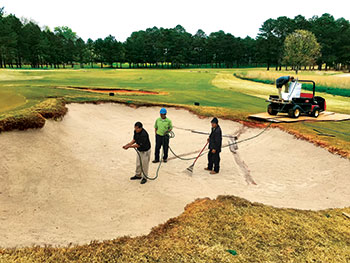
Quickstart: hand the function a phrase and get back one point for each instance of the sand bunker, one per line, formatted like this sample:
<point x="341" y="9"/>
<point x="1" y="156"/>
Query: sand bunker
<point x="69" y="182"/>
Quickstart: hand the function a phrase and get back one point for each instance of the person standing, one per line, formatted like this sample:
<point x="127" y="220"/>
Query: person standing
<point x="283" y="81"/>
<point x="215" y="142"/>
<point x="162" y="126"/>
<point x="142" y="144"/>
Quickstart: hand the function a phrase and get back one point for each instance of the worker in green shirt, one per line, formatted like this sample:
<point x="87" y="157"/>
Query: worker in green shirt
<point x="162" y="127"/>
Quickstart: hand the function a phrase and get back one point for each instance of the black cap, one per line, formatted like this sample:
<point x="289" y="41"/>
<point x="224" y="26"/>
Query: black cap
<point x="215" y="120"/>
<point x="138" y="124"/>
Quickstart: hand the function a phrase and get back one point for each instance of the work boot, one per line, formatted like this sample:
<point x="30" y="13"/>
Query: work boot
<point x="213" y="172"/>
<point x="143" y="181"/>
<point x="207" y="169"/>
<point x="155" y="161"/>
<point x="135" y="177"/>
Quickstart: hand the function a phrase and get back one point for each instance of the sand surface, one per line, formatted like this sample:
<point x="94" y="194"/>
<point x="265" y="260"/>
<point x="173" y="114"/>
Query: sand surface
<point x="69" y="182"/>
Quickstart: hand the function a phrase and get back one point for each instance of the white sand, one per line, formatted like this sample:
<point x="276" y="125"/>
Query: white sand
<point x="69" y="182"/>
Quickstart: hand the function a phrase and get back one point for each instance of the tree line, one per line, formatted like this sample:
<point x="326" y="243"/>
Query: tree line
<point x="23" y="42"/>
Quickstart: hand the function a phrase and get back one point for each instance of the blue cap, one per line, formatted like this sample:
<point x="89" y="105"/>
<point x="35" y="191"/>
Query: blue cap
<point x="163" y="111"/>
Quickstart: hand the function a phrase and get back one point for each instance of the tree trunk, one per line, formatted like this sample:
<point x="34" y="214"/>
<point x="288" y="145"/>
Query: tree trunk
<point x="101" y="64"/>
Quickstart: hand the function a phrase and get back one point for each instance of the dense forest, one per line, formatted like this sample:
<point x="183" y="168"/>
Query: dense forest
<point x="23" y="42"/>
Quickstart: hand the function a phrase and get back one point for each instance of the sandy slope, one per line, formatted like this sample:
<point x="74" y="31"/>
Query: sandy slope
<point x="69" y="182"/>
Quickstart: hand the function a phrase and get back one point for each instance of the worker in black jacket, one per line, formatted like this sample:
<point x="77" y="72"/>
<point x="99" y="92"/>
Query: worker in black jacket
<point x="215" y="141"/>
<point x="142" y="143"/>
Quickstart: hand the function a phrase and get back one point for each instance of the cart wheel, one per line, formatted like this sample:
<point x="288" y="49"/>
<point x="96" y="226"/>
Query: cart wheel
<point x="294" y="113"/>
<point x="315" y="113"/>
<point x="271" y="111"/>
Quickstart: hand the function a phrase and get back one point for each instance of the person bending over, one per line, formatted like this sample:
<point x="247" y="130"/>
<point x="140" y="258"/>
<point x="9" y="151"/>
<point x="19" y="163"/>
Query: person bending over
<point x="283" y="81"/>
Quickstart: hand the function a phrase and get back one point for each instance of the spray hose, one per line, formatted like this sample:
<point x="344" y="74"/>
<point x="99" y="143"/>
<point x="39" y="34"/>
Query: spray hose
<point x="171" y="135"/>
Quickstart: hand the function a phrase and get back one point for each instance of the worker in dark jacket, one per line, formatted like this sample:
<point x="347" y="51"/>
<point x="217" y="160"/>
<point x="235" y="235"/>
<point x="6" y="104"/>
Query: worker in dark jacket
<point x="283" y="81"/>
<point x="215" y="141"/>
<point x="142" y="143"/>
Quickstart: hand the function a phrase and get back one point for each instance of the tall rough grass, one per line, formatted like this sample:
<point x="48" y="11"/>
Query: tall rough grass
<point x="33" y="117"/>
<point x="335" y="84"/>
<point x="208" y="229"/>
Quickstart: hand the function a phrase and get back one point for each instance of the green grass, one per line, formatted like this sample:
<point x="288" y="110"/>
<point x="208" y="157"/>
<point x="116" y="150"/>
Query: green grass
<point x="218" y="91"/>
<point x="184" y="87"/>
<point x="207" y="229"/>
<point x="10" y="100"/>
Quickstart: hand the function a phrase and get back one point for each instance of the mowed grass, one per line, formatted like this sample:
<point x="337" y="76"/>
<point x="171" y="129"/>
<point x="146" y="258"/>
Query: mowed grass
<point x="207" y="229"/>
<point x="218" y="91"/>
<point x="10" y="100"/>
<point x="184" y="87"/>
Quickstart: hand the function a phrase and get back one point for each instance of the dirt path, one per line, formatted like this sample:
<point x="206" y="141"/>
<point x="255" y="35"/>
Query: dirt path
<point x="69" y="182"/>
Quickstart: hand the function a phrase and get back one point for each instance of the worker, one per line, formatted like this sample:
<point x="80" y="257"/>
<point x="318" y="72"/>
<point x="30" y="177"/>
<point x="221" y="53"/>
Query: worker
<point x="215" y="141"/>
<point x="162" y="126"/>
<point x="283" y="81"/>
<point x="142" y="143"/>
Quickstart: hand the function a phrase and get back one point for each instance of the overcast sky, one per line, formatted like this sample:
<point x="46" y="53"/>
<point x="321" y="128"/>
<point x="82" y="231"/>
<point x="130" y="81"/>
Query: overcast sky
<point x="94" y="19"/>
